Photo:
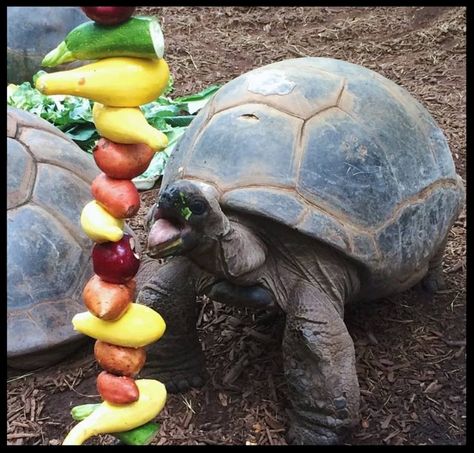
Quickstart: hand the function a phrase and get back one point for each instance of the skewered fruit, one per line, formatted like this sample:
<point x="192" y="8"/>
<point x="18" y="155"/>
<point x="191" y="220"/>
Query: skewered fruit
<point x="127" y="125"/>
<point x="116" y="262"/>
<point x="137" y="327"/>
<point x="108" y="301"/>
<point x="113" y="418"/>
<point x="119" y="359"/>
<point x="99" y="225"/>
<point x="115" y="81"/>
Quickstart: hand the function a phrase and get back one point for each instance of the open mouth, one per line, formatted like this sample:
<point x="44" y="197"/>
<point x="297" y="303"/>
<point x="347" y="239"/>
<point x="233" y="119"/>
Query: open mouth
<point x="166" y="235"/>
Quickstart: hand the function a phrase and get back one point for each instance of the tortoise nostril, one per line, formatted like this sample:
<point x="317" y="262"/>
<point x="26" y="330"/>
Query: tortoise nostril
<point x="172" y="191"/>
<point x="165" y="198"/>
<point x="168" y="197"/>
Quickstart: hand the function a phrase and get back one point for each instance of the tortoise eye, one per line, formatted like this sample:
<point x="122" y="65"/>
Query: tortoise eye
<point x="198" y="207"/>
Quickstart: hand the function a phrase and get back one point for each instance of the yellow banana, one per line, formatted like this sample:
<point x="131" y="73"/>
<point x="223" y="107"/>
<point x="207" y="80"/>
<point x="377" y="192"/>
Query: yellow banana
<point x="127" y="125"/>
<point x="114" y="418"/>
<point x="99" y="225"/>
<point x="138" y="327"/>
<point x="117" y="81"/>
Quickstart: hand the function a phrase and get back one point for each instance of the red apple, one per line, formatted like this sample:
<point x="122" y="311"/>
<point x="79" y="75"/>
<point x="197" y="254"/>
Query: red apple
<point x="116" y="262"/>
<point x="108" y="15"/>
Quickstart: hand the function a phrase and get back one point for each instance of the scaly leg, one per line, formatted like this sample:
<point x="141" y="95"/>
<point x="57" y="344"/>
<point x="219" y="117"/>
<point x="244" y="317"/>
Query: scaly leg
<point x="176" y="359"/>
<point x="255" y="297"/>
<point x="319" y="362"/>
<point x="434" y="279"/>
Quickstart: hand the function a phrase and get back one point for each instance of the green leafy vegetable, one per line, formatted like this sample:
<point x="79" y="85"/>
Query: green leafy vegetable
<point x="157" y="165"/>
<point x="195" y="102"/>
<point x="186" y="213"/>
<point x="184" y="210"/>
<point x="73" y="116"/>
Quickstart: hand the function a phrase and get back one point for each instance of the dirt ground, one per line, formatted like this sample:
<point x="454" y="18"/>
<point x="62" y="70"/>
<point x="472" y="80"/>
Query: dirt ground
<point x="411" y="352"/>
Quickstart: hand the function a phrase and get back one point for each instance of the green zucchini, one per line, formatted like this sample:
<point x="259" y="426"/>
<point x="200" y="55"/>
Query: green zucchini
<point x="141" y="435"/>
<point x="139" y="37"/>
<point x="79" y="413"/>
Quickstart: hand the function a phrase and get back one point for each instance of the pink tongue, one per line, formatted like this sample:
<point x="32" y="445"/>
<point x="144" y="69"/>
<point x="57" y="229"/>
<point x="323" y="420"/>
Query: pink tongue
<point x="162" y="231"/>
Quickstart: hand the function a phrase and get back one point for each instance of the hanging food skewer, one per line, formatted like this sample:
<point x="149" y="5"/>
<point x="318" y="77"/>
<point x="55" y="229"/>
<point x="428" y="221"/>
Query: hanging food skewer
<point x="130" y="71"/>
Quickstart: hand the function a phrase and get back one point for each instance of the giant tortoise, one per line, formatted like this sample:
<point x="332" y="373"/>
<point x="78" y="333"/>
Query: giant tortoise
<point x="32" y="31"/>
<point x="48" y="255"/>
<point x="305" y="185"/>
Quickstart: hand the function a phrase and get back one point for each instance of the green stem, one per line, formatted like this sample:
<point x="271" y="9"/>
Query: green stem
<point x="58" y="56"/>
<point x="83" y="411"/>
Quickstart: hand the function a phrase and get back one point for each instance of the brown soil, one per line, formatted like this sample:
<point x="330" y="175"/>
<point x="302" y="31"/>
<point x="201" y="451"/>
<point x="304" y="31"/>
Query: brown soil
<point x="410" y="348"/>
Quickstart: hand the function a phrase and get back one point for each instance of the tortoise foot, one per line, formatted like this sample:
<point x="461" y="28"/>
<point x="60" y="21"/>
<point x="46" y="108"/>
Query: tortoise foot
<point x="179" y="364"/>
<point x="299" y="434"/>
<point x="181" y="382"/>
<point x="433" y="282"/>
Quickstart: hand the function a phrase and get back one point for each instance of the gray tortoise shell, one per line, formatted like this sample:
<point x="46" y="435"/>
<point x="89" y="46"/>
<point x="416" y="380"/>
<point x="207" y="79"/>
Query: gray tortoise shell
<point x="48" y="255"/>
<point x="333" y="150"/>
<point x="32" y="32"/>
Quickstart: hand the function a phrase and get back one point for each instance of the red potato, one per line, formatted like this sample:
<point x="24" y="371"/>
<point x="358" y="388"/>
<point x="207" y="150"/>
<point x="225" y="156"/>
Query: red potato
<point x="119" y="360"/>
<point x="117" y="389"/>
<point x="121" y="161"/>
<point x="108" y="15"/>
<point x="119" y="197"/>
<point x="108" y="301"/>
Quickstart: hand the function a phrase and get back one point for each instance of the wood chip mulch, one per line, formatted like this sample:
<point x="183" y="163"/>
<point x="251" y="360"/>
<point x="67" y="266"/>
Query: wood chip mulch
<point x="411" y="351"/>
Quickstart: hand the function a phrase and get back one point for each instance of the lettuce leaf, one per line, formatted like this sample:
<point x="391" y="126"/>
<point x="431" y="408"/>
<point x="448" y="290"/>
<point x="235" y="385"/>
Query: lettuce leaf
<point x="73" y="116"/>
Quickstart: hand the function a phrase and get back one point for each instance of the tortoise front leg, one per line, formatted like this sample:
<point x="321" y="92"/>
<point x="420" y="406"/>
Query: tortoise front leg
<point x="319" y="361"/>
<point x="176" y="359"/>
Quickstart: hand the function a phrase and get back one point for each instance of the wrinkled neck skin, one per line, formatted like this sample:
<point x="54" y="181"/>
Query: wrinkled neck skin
<point x="298" y="260"/>
<point x="255" y="251"/>
<point x="233" y="253"/>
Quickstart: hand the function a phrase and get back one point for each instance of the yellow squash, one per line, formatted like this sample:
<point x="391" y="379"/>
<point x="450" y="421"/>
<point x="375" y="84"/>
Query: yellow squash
<point x="99" y="225"/>
<point x="117" y="81"/>
<point x="114" y="418"/>
<point x="137" y="327"/>
<point x="127" y="125"/>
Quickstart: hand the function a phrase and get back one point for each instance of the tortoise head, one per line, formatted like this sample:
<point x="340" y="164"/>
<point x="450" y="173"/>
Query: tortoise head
<point x="186" y="217"/>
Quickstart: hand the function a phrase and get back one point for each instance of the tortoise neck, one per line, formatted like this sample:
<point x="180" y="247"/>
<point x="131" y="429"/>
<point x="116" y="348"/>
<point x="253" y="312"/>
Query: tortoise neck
<point x="235" y="256"/>
<point x="296" y="260"/>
